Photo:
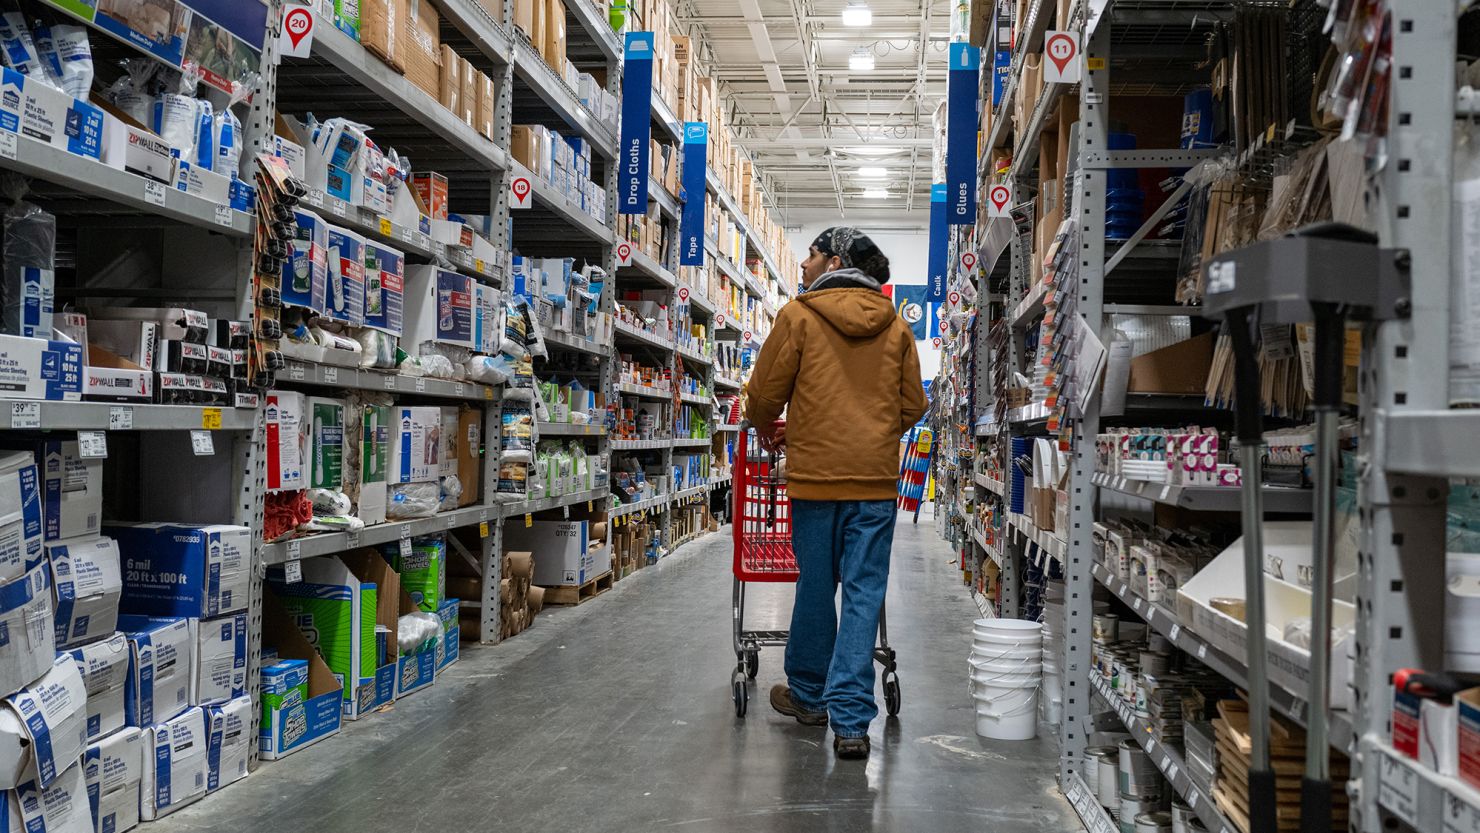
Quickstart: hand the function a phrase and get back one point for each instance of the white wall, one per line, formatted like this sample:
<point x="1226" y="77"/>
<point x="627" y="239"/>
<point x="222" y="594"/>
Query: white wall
<point x="906" y="244"/>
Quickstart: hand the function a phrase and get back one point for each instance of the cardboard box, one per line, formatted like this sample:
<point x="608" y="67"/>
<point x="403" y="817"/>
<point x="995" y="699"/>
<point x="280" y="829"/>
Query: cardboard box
<point x="304" y="722"/>
<point x="451" y="633"/>
<point x="439" y="309"/>
<point x="524" y="145"/>
<point x="184" y="570"/>
<point x="113" y="769"/>
<point x="161" y="669"/>
<point x="43" y="727"/>
<point x="559" y="547"/>
<point x="432" y="188"/>
<point x="1467" y="741"/>
<point x="552" y="42"/>
<point x="199" y="182"/>
<point x="345" y="299"/>
<point x="486" y="113"/>
<point x="71" y="490"/>
<point x="220" y="659"/>
<point x="380" y="29"/>
<point x="370" y="568"/>
<point x="39" y="111"/>
<point x="177" y="765"/>
<point x="26" y="616"/>
<point x="495" y="9"/>
<point x="345" y="15"/>
<point x="385" y="288"/>
<point x="86" y="587"/>
<point x="467" y="108"/>
<point x="416" y="444"/>
<point x="129" y="146"/>
<point x="529" y="18"/>
<point x="1181" y="368"/>
<point x="375" y="437"/>
<point x="229" y="742"/>
<point x="417" y="670"/>
<point x="306" y="270"/>
<point x="34" y="368"/>
<point x="20" y="517"/>
<point x="421" y="46"/>
<point x="60" y="807"/>
<point x="326" y="442"/>
<point x="287" y="441"/>
<point x="469" y="456"/>
<point x="104" y="666"/>
<point x="449" y="86"/>
<point x="336" y="612"/>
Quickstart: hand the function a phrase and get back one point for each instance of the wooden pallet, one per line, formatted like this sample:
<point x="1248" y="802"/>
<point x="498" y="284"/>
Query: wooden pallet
<point x="1287" y="759"/>
<point x="578" y="594"/>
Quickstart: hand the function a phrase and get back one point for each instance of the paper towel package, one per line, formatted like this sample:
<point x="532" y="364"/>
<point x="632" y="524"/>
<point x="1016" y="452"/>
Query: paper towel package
<point x="86" y="587"/>
<point x="230" y="728"/>
<point x="220" y="659"/>
<point x="113" y="768"/>
<point x="104" y="667"/>
<point x="43" y="727"/>
<point x="160" y="669"/>
<point x="177" y="758"/>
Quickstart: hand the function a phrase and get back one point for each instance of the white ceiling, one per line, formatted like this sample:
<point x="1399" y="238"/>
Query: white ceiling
<point x="808" y="120"/>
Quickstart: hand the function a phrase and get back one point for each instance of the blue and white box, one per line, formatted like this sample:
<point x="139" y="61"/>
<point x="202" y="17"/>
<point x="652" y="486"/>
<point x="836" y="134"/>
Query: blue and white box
<point x="60" y="807"/>
<point x="385" y="288"/>
<point x="161" y="669"/>
<point x="71" y="490"/>
<point x="415" y="671"/>
<point x="34" y="368"/>
<point x="220" y="659"/>
<point x="113" y="768"/>
<point x="86" y="586"/>
<point x="230" y="743"/>
<point x="439" y="309"/>
<point x="39" y="111"/>
<point x="305" y="278"/>
<point x="43" y="727"/>
<point x="104" y="666"/>
<point x="345" y="297"/>
<point x="21" y="521"/>
<point x="451" y="633"/>
<point x="29" y="643"/>
<point x="184" y="570"/>
<point x="177" y="757"/>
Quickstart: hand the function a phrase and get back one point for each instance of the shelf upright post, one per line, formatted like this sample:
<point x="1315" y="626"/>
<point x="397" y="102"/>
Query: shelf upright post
<point x="1089" y="206"/>
<point x="1405" y="367"/>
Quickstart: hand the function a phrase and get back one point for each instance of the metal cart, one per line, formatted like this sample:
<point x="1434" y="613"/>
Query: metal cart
<point x="762" y="529"/>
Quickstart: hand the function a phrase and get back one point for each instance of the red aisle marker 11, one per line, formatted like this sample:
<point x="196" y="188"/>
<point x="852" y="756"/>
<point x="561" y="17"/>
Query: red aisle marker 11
<point x="1061" y="49"/>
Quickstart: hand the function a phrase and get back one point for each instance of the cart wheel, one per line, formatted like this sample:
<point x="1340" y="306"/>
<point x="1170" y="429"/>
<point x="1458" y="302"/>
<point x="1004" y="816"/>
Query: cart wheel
<point x="891" y="694"/>
<point x="742" y="697"/>
<point x="752" y="664"/>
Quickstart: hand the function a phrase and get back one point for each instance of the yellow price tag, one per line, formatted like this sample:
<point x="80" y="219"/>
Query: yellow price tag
<point x="210" y="418"/>
<point x="488" y="393"/>
<point x="528" y="520"/>
<point x="588" y="506"/>
<point x="385" y="227"/>
<point x="1094" y="64"/>
<point x="483" y="529"/>
<point x="1269" y="134"/>
<point x="478" y="265"/>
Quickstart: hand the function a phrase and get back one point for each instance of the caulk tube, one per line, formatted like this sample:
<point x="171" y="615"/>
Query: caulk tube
<point x="336" y="280"/>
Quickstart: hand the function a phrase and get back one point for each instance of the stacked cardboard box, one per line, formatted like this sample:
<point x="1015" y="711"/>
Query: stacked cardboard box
<point x="630" y="543"/>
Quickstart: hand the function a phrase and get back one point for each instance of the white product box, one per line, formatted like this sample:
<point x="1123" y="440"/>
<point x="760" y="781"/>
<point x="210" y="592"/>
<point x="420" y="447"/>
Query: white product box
<point x="230" y="727"/>
<point x="34" y="368"/>
<point x="447" y="232"/>
<point x="287" y="441"/>
<point x="133" y="341"/>
<point x="177" y="759"/>
<point x="184" y="570"/>
<point x="1289" y="666"/>
<point x="86" y="586"/>
<point x="326" y="449"/>
<point x="416" y="444"/>
<point x="43" y="727"/>
<point x="439" y="308"/>
<point x="104" y="668"/>
<point x="559" y="547"/>
<point x="220" y="659"/>
<point x="375" y="436"/>
<point x="113" y="768"/>
<point x="61" y="807"/>
<point x="37" y="110"/>
<point x="486" y="332"/>
<point x="26" y="619"/>
<point x="292" y="153"/>
<point x="1461" y="612"/>
<point x="174" y="323"/>
<point x="198" y="181"/>
<point x="449" y="442"/>
<point x="345" y="300"/>
<point x="160" y="669"/>
<point x="20" y="518"/>
<point x="72" y="490"/>
<point x="117" y="384"/>
<point x="136" y="150"/>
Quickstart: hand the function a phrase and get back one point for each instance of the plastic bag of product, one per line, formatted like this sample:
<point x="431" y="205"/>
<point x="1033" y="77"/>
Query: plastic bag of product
<point x="516" y="331"/>
<point x="227" y="132"/>
<point x="19" y="49"/>
<point x="489" y="370"/>
<point x="29" y="287"/>
<point x="68" y="52"/>
<point x="175" y="122"/>
<point x="432" y="365"/>
<point x="412" y="500"/>
<point x="129" y="95"/>
<point x="513" y="478"/>
<point x="377" y="349"/>
<point x="329" y="502"/>
<point x="205" y="135"/>
<point x="523" y="373"/>
<point x="452" y="490"/>
<point x="518" y="429"/>
<point x="417" y="633"/>
<point x="523" y="395"/>
<point x="534" y="341"/>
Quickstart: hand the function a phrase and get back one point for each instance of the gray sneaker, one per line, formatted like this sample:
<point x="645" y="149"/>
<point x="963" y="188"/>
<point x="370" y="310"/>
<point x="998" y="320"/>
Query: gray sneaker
<point x="781" y="701"/>
<point x="851" y="749"/>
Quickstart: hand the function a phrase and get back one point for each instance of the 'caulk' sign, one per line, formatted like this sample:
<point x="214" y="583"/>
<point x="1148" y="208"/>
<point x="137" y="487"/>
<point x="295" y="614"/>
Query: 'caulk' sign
<point x="1061" y="58"/>
<point x="999" y="200"/>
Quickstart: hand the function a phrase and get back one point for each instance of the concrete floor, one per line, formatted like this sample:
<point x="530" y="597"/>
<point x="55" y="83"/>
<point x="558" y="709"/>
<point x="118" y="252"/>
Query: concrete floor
<point x="616" y="716"/>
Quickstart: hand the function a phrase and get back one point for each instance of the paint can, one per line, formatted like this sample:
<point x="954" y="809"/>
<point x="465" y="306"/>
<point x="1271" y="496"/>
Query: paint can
<point x="1093" y="756"/>
<point x="1154" y="822"/>
<point x="1154" y="663"/>
<point x="1181" y="812"/>
<point x="1106" y="628"/>
<point x="1133" y="807"/>
<point x="1109" y="792"/>
<point x="1138" y="774"/>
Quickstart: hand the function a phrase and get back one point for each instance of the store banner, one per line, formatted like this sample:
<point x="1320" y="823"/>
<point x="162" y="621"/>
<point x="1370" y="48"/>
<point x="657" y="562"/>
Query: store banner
<point x="1001" y="68"/>
<point x="940" y="232"/>
<point x="910" y="303"/>
<point x="637" y="124"/>
<point x="691" y="216"/>
<point x="962" y="120"/>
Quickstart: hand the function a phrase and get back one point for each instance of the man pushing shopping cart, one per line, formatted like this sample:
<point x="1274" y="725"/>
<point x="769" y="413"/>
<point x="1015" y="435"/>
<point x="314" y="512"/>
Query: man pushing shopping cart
<point x="843" y="366"/>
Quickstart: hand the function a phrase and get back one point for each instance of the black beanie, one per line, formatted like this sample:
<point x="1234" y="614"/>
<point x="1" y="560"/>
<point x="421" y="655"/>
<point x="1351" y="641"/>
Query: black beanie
<point x="855" y="250"/>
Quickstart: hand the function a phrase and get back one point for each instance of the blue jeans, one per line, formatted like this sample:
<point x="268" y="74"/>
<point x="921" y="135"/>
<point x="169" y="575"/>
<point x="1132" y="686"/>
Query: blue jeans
<point x="830" y="663"/>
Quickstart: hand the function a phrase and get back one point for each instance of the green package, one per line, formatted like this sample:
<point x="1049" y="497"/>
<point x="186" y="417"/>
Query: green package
<point x="339" y="620"/>
<point x="326" y="443"/>
<point x="423" y="572"/>
<point x="347" y="17"/>
<point x="375" y="444"/>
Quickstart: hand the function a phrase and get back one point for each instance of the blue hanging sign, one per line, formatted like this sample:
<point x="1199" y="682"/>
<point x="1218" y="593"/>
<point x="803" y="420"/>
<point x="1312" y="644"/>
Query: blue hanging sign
<point x="962" y="120"/>
<point x="637" y="124"/>
<point x="935" y="282"/>
<point x="691" y="216"/>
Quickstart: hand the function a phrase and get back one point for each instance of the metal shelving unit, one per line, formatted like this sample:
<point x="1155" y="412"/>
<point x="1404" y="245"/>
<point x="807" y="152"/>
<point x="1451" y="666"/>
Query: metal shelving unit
<point x="1205" y="498"/>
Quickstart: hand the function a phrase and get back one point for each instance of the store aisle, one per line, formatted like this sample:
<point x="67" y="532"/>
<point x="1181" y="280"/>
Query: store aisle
<point x="616" y="716"/>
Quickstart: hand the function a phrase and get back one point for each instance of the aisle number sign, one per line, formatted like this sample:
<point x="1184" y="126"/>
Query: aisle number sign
<point x="519" y="192"/>
<point x="624" y="253"/>
<point x="637" y="124"/>
<point x="1062" y="58"/>
<point x="962" y="124"/>
<point x="968" y="266"/>
<point x="999" y="200"/>
<point x="935" y="284"/>
<point x="296" y="40"/>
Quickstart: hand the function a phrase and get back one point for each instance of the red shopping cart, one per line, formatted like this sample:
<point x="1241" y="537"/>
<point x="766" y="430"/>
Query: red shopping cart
<point x="762" y="529"/>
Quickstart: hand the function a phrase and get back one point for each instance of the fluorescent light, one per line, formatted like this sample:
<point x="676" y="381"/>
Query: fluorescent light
<point x="872" y="150"/>
<point x="862" y="60"/>
<point x="876" y="193"/>
<point x="857" y="14"/>
<point x="873" y="173"/>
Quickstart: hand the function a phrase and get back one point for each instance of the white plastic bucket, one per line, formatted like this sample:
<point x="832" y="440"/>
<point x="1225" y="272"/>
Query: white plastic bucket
<point x="1007" y="713"/>
<point x="1001" y="654"/>
<point x="1009" y="630"/>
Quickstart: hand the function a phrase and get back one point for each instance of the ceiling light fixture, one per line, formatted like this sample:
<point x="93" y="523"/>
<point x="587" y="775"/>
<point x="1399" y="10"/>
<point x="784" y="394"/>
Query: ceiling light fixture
<point x="876" y="193"/>
<point x="862" y="60"/>
<point x="873" y="173"/>
<point x="858" y="14"/>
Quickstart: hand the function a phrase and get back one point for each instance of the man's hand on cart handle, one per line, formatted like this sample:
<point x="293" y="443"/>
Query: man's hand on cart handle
<point x="773" y="436"/>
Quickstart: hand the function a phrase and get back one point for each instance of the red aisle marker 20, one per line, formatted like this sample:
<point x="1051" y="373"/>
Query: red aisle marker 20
<point x="296" y="40"/>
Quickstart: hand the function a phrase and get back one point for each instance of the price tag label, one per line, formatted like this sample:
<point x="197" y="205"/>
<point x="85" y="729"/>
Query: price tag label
<point x="385" y="227"/>
<point x="224" y="216"/>
<point x="296" y="372"/>
<point x="389" y="381"/>
<point x="1202" y="650"/>
<point x="457" y="388"/>
<point x="25" y="415"/>
<point x="1172" y="770"/>
<point x="210" y="419"/>
<point x="1124" y="589"/>
<point x="120" y="418"/>
<point x="451" y="521"/>
<point x="483" y="530"/>
<point x="1460" y="817"/>
<point x="1150" y="746"/>
<point x="92" y="445"/>
<point x="479" y="266"/>
<point x="1137" y="605"/>
<point x="421" y="384"/>
<point x="1298" y="709"/>
<point x="331" y="375"/>
<point x="352" y="538"/>
<point x="488" y="393"/>
<point x="153" y="192"/>
<point x="202" y="444"/>
<point x="1176" y="631"/>
<point x="588" y="506"/>
<point x="8" y="144"/>
<point x="1397" y="789"/>
<point x="1150" y="613"/>
<point x="315" y="199"/>
<point x="295" y="549"/>
<point x="293" y="571"/>
<point x="1192" y="799"/>
<point x="405" y="540"/>
<point x="1165" y="490"/>
<point x="338" y="208"/>
<point x="405" y="235"/>
<point x="528" y="520"/>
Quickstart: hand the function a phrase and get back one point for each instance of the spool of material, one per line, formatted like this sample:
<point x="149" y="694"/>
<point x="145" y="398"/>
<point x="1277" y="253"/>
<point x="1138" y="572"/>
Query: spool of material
<point x="1138" y="774"/>
<point x="1230" y="606"/>
<point x="505" y="593"/>
<point x="536" y="599"/>
<point x="1106" y="628"/>
<point x="597" y="531"/>
<point x="519" y="565"/>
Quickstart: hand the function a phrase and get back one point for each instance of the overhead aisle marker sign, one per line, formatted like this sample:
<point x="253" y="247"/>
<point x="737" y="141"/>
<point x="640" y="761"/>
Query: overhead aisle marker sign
<point x="637" y="124"/>
<point x="691" y="216"/>
<point x="962" y="121"/>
